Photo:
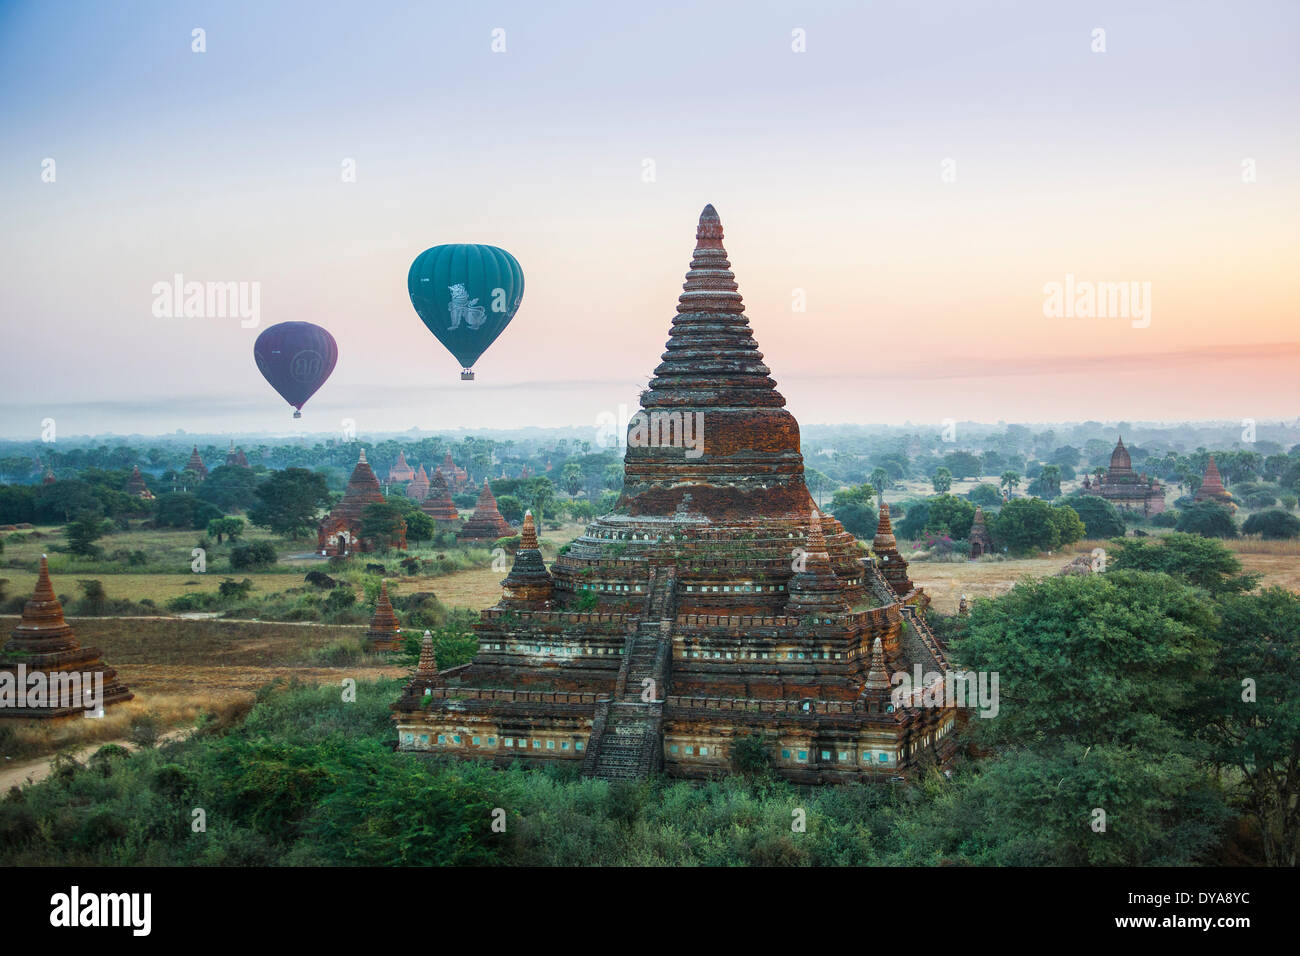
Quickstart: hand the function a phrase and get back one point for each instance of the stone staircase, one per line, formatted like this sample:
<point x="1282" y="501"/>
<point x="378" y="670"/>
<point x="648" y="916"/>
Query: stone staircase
<point x="627" y="735"/>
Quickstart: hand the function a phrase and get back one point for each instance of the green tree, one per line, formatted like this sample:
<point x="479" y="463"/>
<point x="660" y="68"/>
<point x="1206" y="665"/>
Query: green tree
<point x="1274" y="524"/>
<point x="571" y="477"/>
<point x="1010" y="481"/>
<point x="84" y="532"/>
<point x="1094" y="672"/>
<point x="962" y="464"/>
<point x="879" y="480"/>
<point x="1194" y="560"/>
<point x="853" y="508"/>
<point x="1069" y="526"/>
<point x="950" y="514"/>
<point x="1208" y="519"/>
<point x="1100" y="518"/>
<point x="383" y="524"/>
<point x="220" y="528"/>
<point x="260" y="554"/>
<point x="984" y="494"/>
<point x="419" y="526"/>
<point x="1026" y="525"/>
<point x="289" y="501"/>
<point x="229" y="488"/>
<point x="1248" y="712"/>
<point x="511" y="509"/>
<point x="941" y="480"/>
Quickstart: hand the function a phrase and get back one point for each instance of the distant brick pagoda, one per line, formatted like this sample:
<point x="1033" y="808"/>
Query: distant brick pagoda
<point x="437" y="503"/>
<point x="235" y="457"/>
<point x="714" y="605"/>
<point x="136" y="487"/>
<point x="1125" y="488"/>
<point x="384" y="633"/>
<point x="486" y="524"/>
<point x="455" y="476"/>
<point x="43" y="644"/>
<point x="418" y="489"/>
<point x="195" y="464"/>
<point x="401" y="472"/>
<point x="981" y="543"/>
<point x="1212" y="489"/>
<point x="340" y="533"/>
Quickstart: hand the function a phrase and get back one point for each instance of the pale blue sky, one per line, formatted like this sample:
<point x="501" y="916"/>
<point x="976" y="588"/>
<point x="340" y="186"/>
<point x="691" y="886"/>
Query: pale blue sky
<point x="825" y="167"/>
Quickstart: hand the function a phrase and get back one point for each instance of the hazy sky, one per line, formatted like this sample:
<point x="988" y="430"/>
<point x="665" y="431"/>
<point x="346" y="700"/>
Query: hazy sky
<point x="924" y="297"/>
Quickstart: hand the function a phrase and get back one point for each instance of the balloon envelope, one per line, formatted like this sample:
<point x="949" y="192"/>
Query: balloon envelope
<point x="296" y="358"/>
<point x="466" y="295"/>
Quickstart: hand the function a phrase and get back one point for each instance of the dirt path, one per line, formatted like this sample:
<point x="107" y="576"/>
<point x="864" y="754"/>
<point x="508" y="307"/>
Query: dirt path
<point x="24" y="772"/>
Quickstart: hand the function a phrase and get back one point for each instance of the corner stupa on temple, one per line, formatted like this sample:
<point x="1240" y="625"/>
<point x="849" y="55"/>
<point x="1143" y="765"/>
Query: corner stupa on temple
<point x="341" y="532"/>
<point x="714" y="604"/>
<point x="486" y="524"/>
<point x="43" y="651"/>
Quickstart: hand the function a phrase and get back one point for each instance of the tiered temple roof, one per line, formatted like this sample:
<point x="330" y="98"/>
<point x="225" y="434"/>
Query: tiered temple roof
<point x="43" y="643"/>
<point x="418" y="489"/>
<point x="195" y="464"/>
<point x="384" y="633"/>
<point x="401" y="472"/>
<point x="486" y="524"/>
<point x="714" y="604"/>
<point x="340" y="533"/>
<point x="437" y="502"/>
<point x="1125" y="488"/>
<point x="1211" y="488"/>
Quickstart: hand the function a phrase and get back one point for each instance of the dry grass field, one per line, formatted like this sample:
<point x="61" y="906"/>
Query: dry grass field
<point x="179" y="669"/>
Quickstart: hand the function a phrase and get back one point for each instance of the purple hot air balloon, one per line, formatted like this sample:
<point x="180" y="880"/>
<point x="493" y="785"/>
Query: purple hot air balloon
<point x="296" y="358"/>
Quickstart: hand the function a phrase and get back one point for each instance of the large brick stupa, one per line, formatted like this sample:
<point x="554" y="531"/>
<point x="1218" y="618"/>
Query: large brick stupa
<point x="715" y="605"/>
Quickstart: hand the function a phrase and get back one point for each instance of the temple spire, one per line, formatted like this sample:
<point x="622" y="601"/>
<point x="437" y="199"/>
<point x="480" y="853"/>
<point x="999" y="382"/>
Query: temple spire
<point x="877" y="680"/>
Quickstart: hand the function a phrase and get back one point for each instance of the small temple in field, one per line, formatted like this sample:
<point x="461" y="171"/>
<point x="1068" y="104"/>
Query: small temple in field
<point x="714" y="608"/>
<point x="981" y="542"/>
<point x="1125" y="488"/>
<point x="486" y="524"/>
<point x="384" y="633"/>
<point x="437" y="502"/>
<point x="1212" y="488"/>
<point x="195" y="464"/>
<point x="401" y="472"/>
<point x="455" y="476"/>
<point x="235" y="458"/>
<point x="43" y="653"/>
<point x="341" y="532"/>
<point x="136" y="487"/>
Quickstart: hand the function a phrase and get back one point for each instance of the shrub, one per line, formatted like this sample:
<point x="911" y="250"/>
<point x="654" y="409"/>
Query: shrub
<point x="1208" y="519"/>
<point x="246" y="556"/>
<point x="1274" y="525"/>
<point x="1100" y="518"/>
<point x="1166" y="519"/>
<point x="230" y="589"/>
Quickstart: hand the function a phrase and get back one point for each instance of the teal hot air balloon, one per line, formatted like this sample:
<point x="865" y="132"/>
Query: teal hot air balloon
<point x="466" y="295"/>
